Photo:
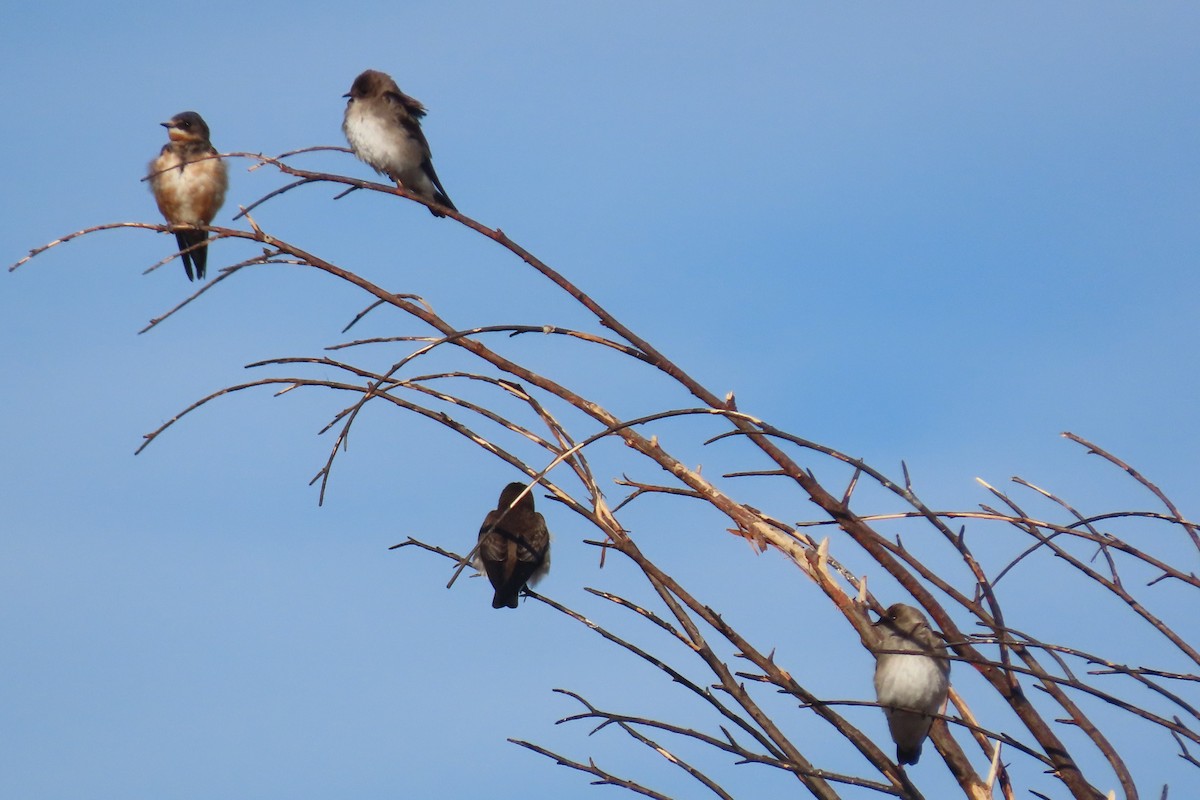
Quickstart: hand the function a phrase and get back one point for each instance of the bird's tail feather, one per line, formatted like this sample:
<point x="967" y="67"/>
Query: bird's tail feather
<point x="504" y="598"/>
<point x="908" y="755"/>
<point x="441" y="197"/>
<point x="197" y="257"/>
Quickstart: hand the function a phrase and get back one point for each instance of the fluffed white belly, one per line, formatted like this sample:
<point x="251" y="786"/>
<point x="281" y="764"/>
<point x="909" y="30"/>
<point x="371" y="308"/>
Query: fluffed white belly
<point x="912" y="682"/>
<point x="383" y="144"/>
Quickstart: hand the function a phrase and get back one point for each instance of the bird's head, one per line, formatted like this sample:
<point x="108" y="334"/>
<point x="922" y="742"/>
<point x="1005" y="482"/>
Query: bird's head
<point x="511" y="493"/>
<point x="187" y="127"/>
<point x="903" y="619"/>
<point x="371" y="83"/>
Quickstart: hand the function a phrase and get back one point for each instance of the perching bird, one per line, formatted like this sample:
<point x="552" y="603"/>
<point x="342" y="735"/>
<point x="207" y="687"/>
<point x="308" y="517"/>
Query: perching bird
<point x="910" y="687"/>
<point x="189" y="186"/>
<point x="383" y="126"/>
<point x="514" y="546"/>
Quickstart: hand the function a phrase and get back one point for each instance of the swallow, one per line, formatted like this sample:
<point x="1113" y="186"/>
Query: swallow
<point x="514" y="546"/>
<point x="910" y="687"/>
<point x="189" y="186"/>
<point x="383" y="126"/>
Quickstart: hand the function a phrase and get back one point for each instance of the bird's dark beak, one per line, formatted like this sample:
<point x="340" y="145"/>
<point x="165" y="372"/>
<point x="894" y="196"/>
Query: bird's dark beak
<point x="167" y="124"/>
<point x="347" y="94"/>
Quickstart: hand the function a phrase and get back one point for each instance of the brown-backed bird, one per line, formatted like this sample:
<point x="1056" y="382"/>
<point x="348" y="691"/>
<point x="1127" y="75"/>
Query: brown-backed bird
<point x="514" y="545"/>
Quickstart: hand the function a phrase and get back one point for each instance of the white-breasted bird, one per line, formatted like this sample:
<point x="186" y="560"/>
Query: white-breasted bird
<point x="913" y="684"/>
<point x="383" y="126"/>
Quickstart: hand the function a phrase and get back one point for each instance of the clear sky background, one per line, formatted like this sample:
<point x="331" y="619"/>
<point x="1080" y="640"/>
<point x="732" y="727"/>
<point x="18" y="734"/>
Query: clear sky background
<point x="913" y="232"/>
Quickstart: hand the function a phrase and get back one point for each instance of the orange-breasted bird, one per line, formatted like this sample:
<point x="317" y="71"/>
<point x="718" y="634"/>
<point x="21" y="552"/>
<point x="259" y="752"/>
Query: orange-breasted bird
<point x="189" y="185"/>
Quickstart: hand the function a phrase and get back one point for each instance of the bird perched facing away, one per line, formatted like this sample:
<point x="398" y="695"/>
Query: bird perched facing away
<point x="383" y="126"/>
<point x="189" y="185"/>
<point x="514" y="546"/>
<point x="910" y="687"/>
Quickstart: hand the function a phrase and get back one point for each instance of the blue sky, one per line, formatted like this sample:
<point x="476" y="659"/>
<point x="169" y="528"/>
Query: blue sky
<point x="925" y="234"/>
